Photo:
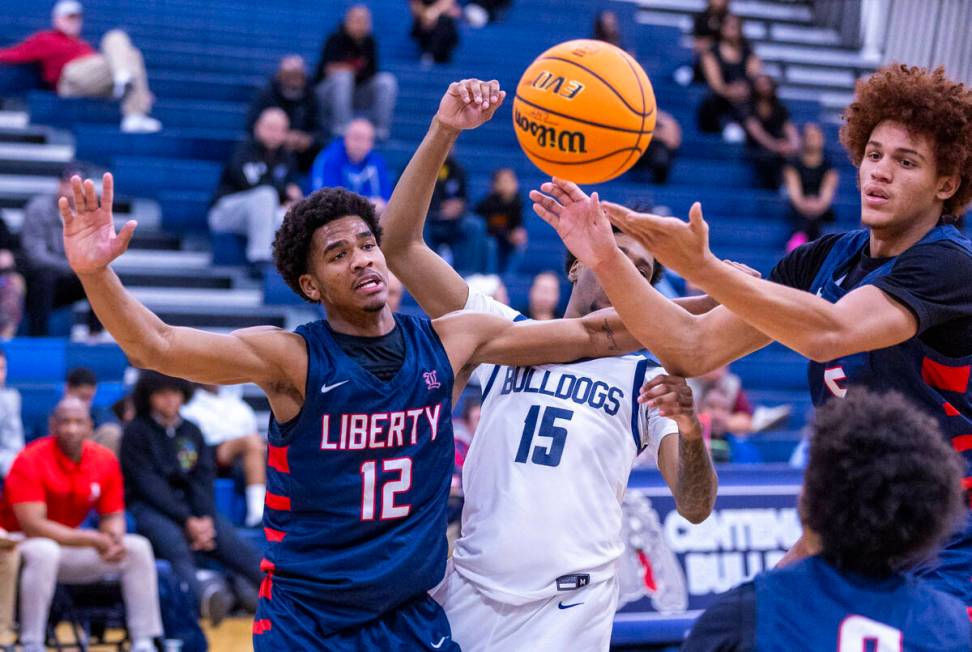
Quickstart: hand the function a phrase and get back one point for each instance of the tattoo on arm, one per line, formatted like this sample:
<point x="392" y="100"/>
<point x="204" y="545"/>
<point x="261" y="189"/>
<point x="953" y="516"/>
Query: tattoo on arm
<point x="609" y="332"/>
<point x="696" y="486"/>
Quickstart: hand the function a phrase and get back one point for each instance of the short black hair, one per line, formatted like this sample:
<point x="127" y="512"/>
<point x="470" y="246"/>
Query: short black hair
<point x="657" y="269"/>
<point x="80" y="376"/>
<point x="291" y="246"/>
<point x="882" y="487"/>
<point x="149" y="382"/>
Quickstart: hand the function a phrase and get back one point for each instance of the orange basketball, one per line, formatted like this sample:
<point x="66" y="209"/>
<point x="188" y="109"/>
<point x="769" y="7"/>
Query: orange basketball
<point x="584" y="111"/>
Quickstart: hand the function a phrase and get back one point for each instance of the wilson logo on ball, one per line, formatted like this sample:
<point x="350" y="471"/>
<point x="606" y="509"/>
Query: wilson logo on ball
<point x="558" y="84"/>
<point x="564" y="140"/>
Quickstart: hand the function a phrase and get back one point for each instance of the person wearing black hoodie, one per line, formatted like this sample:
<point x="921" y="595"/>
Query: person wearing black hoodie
<point x="256" y="186"/>
<point x="168" y="471"/>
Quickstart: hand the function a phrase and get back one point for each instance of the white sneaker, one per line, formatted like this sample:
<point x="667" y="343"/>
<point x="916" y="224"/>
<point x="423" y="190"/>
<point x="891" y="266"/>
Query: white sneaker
<point x="138" y="123"/>
<point x="770" y="418"/>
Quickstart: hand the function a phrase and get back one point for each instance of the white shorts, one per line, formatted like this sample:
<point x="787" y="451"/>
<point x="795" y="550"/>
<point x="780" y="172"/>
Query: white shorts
<point x="578" y="620"/>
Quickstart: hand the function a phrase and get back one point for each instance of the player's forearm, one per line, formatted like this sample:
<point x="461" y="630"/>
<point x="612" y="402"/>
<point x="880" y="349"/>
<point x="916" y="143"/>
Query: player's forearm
<point x="664" y="328"/>
<point x="797" y="319"/>
<point x="404" y="218"/>
<point x="695" y="489"/>
<point x="136" y="329"/>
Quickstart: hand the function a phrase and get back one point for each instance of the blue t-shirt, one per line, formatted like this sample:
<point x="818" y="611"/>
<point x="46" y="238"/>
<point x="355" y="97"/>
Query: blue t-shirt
<point x="333" y="169"/>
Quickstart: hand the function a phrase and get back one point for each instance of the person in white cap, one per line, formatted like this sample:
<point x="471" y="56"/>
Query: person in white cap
<point x="69" y="65"/>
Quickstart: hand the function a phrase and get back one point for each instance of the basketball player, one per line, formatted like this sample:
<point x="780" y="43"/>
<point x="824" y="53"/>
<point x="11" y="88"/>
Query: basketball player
<point x="535" y="565"/>
<point x="361" y="450"/>
<point x="885" y="307"/>
<point x="881" y="489"/>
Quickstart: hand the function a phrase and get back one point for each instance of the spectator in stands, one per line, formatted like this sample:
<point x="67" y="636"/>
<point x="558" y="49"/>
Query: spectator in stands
<point x="348" y="80"/>
<point x="728" y="66"/>
<point x="811" y="185"/>
<point x="770" y="134"/>
<point x="256" y="187"/>
<point x="50" y="282"/>
<point x="608" y="29"/>
<point x="660" y="155"/>
<point x="11" y="425"/>
<point x="351" y="162"/>
<point x="706" y="31"/>
<point x="289" y="90"/>
<point x="70" y="66"/>
<point x="881" y="491"/>
<point x="490" y="285"/>
<point x="434" y="29"/>
<point x="82" y="384"/>
<point x="447" y="224"/>
<point x="502" y="209"/>
<point x="229" y="426"/>
<point x="12" y="284"/>
<point x="169" y="482"/>
<point x="53" y="485"/>
<point x="740" y="417"/>
<point x="544" y="297"/>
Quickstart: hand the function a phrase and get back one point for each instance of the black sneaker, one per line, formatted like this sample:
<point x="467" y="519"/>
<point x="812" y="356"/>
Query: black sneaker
<point x="216" y="602"/>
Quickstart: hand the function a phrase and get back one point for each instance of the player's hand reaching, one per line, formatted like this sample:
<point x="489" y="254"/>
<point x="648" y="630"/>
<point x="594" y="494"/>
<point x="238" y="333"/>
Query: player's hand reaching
<point x="672" y="397"/>
<point x="578" y="220"/>
<point x="469" y="103"/>
<point x="680" y="246"/>
<point x="90" y="242"/>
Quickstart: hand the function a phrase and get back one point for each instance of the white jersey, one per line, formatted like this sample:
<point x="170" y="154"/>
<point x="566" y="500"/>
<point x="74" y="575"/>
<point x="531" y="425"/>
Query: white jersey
<point x="547" y="470"/>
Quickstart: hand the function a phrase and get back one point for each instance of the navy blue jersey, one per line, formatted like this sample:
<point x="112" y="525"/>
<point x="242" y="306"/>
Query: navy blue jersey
<point x="812" y="606"/>
<point x="358" y="483"/>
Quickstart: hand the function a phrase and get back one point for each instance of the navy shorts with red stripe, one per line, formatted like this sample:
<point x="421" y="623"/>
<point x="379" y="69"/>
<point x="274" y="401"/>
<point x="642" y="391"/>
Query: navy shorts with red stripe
<point x="282" y="623"/>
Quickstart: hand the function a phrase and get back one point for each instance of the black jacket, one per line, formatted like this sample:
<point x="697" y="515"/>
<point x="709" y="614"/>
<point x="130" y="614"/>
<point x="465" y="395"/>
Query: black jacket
<point x="340" y="48"/>
<point x="302" y="111"/>
<point x="254" y="165"/>
<point x="172" y="473"/>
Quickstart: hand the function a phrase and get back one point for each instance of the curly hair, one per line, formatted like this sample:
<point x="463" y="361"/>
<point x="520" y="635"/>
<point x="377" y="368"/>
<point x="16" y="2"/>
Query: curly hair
<point x="926" y="102"/>
<point x="882" y="486"/>
<point x="291" y="246"/>
<point x="149" y="382"/>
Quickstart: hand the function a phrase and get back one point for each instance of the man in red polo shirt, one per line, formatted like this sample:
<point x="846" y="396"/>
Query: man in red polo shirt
<point x="73" y="68"/>
<point x="53" y="485"/>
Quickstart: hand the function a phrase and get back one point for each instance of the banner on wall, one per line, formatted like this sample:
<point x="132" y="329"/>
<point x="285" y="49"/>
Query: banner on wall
<point x="672" y="570"/>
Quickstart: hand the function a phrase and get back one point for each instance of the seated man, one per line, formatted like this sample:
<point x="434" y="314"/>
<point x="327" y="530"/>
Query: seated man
<point x="256" y="186"/>
<point x="353" y="163"/>
<point x="50" y="282"/>
<point x="169" y="481"/>
<point x="289" y="90"/>
<point x="11" y="425"/>
<point x="53" y="485"/>
<point x="73" y="68"/>
<point x="229" y="427"/>
<point x="882" y="490"/>
<point x="348" y="79"/>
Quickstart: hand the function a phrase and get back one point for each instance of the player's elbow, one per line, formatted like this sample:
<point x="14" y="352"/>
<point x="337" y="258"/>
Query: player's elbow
<point x="825" y="346"/>
<point x="695" y="515"/>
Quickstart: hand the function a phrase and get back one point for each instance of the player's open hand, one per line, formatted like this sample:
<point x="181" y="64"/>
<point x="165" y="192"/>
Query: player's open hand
<point x="672" y="397"/>
<point x="90" y="241"/>
<point x="680" y="246"/>
<point x="578" y="220"/>
<point x="469" y="103"/>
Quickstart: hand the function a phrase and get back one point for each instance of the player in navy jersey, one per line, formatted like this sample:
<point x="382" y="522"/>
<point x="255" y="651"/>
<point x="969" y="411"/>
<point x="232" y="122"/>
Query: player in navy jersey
<point x="360" y="441"/>
<point x="881" y="490"/>
<point x="887" y="307"/>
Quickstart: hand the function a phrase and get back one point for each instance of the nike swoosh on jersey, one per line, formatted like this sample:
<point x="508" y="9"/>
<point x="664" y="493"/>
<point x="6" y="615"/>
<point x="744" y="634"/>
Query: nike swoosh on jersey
<point x="561" y="605"/>
<point x="325" y="388"/>
<point x="439" y="644"/>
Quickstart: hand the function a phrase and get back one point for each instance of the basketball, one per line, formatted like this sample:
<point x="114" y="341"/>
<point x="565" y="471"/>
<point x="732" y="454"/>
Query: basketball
<point x="584" y="111"/>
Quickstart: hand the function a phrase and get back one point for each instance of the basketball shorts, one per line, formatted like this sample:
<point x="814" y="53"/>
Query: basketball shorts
<point x="419" y="624"/>
<point x="571" y="620"/>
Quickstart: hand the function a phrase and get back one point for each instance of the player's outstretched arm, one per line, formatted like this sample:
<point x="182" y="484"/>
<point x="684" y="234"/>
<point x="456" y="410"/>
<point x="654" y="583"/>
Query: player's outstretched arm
<point x="686" y="344"/>
<point x="864" y="320"/>
<point x="684" y="461"/>
<point x="476" y="338"/>
<point x="434" y="284"/>
<point x="90" y="243"/>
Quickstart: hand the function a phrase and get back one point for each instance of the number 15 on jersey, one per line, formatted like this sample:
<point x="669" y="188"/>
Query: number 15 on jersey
<point x="546" y="453"/>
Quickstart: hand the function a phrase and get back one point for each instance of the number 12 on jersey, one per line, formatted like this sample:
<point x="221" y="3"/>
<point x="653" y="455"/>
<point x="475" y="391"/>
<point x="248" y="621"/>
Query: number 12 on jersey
<point x="369" y="483"/>
<point x="550" y="454"/>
